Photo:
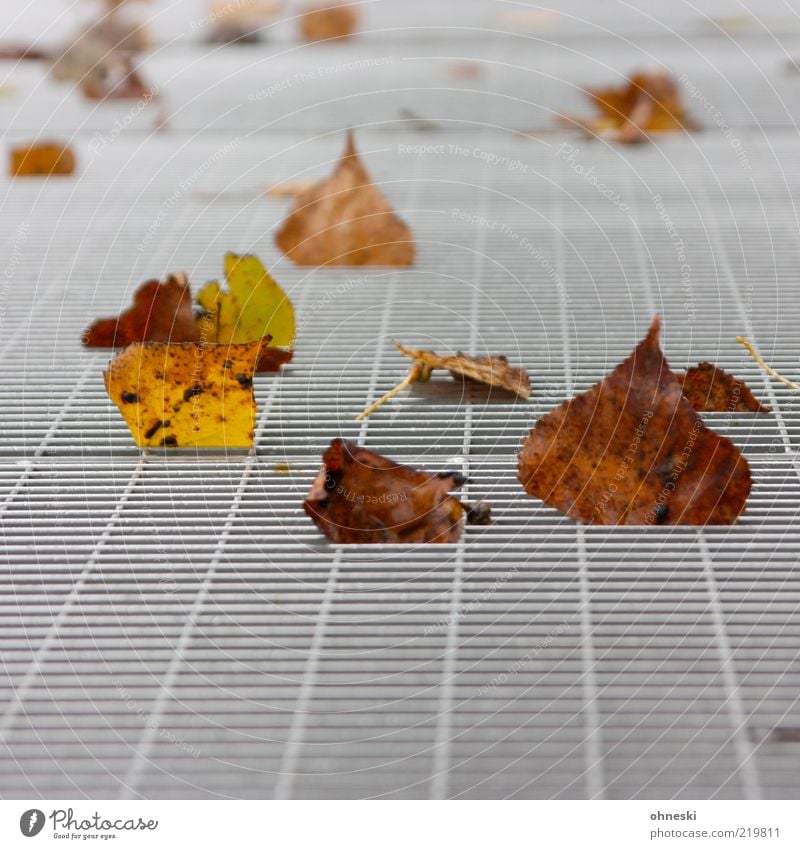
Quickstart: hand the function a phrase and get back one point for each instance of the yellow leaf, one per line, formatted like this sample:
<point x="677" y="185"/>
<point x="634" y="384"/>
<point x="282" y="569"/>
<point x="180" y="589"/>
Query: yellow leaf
<point x="254" y="305"/>
<point x="186" y="395"/>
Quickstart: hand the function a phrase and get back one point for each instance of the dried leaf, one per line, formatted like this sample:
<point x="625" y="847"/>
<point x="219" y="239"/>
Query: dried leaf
<point x="240" y="22"/>
<point x="161" y="312"/>
<point x="253" y="307"/>
<point x="345" y="220"/>
<point x="710" y="389"/>
<point x="18" y="52"/>
<point x="633" y="451"/>
<point x="118" y="81"/>
<point x="320" y="23"/>
<point x="42" y="159"/>
<point x="360" y="496"/>
<point x="186" y="395"/>
<point x="492" y="371"/>
<point x="647" y="103"/>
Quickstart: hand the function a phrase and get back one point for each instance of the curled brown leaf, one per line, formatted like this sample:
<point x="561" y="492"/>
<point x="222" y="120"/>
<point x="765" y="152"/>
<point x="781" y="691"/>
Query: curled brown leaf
<point x="361" y="497"/>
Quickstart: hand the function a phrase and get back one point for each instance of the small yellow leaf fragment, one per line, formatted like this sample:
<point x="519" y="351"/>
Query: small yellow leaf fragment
<point x="767" y="368"/>
<point x="186" y="395"/>
<point x="253" y="307"/>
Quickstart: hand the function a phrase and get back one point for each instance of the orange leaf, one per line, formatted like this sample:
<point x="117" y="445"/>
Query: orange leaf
<point x="321" y="23"/>
<point x="42" y="159"/>
<point x="647" y="103"/>
<point x="345" y="220"/>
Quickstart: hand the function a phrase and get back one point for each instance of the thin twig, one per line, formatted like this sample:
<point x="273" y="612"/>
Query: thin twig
<point x="767" y="368"/>
<point x="412" y="377"/>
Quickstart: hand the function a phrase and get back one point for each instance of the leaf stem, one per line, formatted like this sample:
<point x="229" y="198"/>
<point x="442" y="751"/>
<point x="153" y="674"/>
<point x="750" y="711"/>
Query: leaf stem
<point x="412" y="377"/>
<point x="767" y="368"/>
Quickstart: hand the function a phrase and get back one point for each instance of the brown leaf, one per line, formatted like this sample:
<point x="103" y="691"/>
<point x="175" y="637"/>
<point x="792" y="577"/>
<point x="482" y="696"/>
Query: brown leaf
<point x="359" y="496"/>
<point x="493" y="371"/>
<point x="710" y="389"/>
<point x="633" y="451"/>
<point x="120" y="81"/>
<point x="161" y="312"/>
<point x="42" y="159"/>
<point x="18" y="52"/>
<point x="320" y="23"/>
<point x="345" y="220"/>
<point x="647" y="103"/>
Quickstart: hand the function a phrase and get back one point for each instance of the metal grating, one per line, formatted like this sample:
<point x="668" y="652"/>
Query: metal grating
<point x="175" y="626"/>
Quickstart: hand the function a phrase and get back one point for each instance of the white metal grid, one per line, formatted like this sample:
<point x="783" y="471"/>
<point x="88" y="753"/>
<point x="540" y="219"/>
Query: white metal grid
<point x="176" y="626"/>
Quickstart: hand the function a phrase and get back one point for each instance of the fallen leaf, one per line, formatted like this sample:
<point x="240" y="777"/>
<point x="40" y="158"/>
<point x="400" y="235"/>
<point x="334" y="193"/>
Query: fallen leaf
<point x="647" y="103"/>
<point x="767" y="368"/>
<point x="362" y="497"/>
<point x="161" y="312"/>
<point x="117" y="80"/>
<point x="42" y="159"/>
<point x="345" y="220"/>
<point x="492" y="371"/>
<point x="240" y="22"/>
<point x="253" y="307"/>
<point x="186" y="395"/>
<point x="633" y="451"/>
<point x="710" y="389"/>
<point x="321" y="23"/>
<point x="465" y="70"/>
<point x="17" y="52"/>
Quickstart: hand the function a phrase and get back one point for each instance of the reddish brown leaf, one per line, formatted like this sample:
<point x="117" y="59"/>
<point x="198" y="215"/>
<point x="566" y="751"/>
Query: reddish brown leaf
<point x="633" y="451"/>
<point x="359" y="496"/>
<point x="647" y="103"/>
<point x="345" y="220"/>
<point x="712" y="390"/>
<point x="321" y="23"/>
<point x="161" y="312"/>
<point x="42" y="159"/>
<point x="271" y="359"/>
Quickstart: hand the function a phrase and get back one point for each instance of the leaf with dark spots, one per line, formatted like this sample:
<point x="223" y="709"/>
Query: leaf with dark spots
<point x="633" y="451"/>
<point x="710" y="389"/>
<point x="361" y="497"/>
<point x="187" y="398"/>
<point x="161" y="312"/>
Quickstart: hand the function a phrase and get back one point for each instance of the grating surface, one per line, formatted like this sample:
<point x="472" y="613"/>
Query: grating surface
<point x="175" y="626"/>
